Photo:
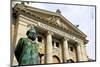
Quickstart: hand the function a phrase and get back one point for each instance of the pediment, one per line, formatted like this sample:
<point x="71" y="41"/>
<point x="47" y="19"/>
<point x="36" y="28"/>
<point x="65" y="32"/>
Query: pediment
<point x="54" y="18"/>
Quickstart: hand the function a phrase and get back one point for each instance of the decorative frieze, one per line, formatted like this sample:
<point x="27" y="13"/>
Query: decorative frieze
<point x="50" y="28"/>
<point x="63" y="34"/>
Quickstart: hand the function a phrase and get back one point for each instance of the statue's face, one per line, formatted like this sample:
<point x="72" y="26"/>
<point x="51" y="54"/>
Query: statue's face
<point x="31" y="34"/>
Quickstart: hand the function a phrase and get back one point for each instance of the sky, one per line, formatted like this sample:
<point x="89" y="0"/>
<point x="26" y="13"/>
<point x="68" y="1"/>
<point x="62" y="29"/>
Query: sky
<point x="84" y="16"/>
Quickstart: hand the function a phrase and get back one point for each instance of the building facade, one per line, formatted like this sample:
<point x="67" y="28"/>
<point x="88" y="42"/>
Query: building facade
<point x="59" y="40"/>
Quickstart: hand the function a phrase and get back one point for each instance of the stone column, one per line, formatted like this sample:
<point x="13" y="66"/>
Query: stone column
<point x="84" y="53"/>
<point x="49" y="48"/>
<point x="79" y="52"/>
<point x="65" y="49"/>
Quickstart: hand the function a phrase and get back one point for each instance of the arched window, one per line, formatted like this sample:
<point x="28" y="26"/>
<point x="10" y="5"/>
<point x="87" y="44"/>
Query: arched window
<point x="56" y="59"/>
<point x="70" y="61"/>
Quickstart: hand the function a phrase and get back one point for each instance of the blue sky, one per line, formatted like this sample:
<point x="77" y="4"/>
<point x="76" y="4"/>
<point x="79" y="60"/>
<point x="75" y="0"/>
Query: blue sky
<point x="82" y="15"/>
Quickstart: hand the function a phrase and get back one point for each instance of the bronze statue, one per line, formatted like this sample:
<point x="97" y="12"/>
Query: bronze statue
<point x="26" y="51"/>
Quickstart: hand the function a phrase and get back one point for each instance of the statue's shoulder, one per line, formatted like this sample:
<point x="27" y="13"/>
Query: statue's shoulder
<point x="23" y="39"/>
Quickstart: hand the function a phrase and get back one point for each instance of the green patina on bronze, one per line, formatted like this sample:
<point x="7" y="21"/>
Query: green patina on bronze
<point x="26" y="50"/>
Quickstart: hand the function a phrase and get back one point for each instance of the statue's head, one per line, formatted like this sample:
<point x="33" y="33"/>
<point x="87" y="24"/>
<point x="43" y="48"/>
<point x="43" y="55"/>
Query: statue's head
<point x="31" y="33"/>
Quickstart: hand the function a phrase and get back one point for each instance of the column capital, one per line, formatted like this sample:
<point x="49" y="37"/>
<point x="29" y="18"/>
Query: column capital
<point x="65" y="38"/>
<point x="80" y="43"/>
<point x="50" y="32"/>
<point x="83" y="45"/>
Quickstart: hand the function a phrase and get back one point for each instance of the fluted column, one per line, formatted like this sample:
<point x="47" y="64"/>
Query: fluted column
<point x="65" y="49"/>
<point x="79" y="52"/>
<point x="84" y="53"/>
<point x="49" y="48"/>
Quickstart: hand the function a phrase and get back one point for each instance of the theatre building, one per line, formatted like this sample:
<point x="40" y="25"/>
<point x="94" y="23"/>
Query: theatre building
<point x="59" y="40"/>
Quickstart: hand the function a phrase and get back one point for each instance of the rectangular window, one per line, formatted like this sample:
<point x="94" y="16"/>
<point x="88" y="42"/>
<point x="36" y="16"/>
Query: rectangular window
<point x="39" y="39"/>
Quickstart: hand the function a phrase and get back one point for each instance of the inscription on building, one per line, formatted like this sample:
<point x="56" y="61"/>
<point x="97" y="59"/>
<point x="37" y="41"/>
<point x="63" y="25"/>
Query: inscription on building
<point x="47" y="27"/>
